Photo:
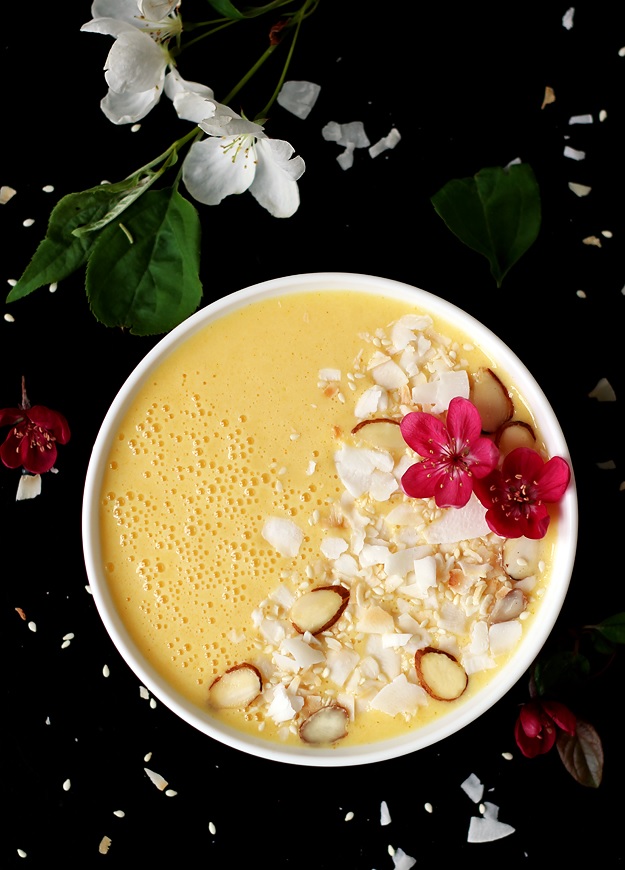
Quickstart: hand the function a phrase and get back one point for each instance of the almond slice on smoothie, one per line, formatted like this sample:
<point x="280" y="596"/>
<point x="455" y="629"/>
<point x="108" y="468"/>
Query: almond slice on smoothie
<point x="326" y="725"/>
<point x="491" y="398"/>
<point x="317" y="610"/>
<point x="236" y="687"/>
<point x="441" y="674"/>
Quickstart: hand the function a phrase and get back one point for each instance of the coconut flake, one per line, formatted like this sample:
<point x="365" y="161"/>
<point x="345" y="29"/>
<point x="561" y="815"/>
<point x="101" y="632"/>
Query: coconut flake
<point x="399" y="696"/>
<point x="385" y="816"/>
<point x="29" y="486"/>
<point x="401" y="861"/>
<point x="503" y="636"/>
<point x="6" y="193"/>
<point x="603" y="391"/>
<point x="298" y="97"/>
<point x="567" y="18"/>
<point x="579" y="189"/>
<point x="283" y="535"/>
<point x="105" y="845"/>
<point x="581" y="119"/>
<point x="459" y="524"/>
<point x="473" y="787"/>
<point x="159" y="781"/>
<point x="284" y="705"/>
<point x="487" y="828"/>
<point x="385" y="143"/>
<point x="574" y="153"/>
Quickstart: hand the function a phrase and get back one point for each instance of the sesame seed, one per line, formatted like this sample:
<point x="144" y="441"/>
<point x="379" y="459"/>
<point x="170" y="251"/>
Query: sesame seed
<point x="349" y="816"/>
<point x="9" y="318"/>
<point x="28" y="222"/>
<point x="67" y="785"/>
<point x="32" y="626"/>
<point x="212" y="828"/>
<point x="119" y="813"/>
<point x="48" y="188"/>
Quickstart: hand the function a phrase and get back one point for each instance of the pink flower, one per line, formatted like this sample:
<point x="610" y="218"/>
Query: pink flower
<point x="453" y="454"/>
<point x="31" y="442"/>
<point x="517" y="495"/>
<point x="536" y="729"/>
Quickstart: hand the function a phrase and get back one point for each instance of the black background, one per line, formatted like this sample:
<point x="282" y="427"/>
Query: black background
<point x="464" y="87"/>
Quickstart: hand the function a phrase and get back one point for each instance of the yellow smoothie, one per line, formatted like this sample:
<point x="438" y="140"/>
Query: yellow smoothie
<point x="236" y="484"/>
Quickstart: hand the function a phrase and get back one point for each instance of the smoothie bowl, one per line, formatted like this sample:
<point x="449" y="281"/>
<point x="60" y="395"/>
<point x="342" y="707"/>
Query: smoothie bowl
<point x="330" y="519"/>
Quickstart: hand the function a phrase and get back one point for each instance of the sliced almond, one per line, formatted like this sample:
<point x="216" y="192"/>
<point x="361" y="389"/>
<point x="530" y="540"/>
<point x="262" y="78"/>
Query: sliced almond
<point x="440" y="673"/>
<point x="326" y="725"/>
<point x="491" y="398"/>
<point x="513" y="434"/>
<point x="236" y="687"/>
<point x="380" y="432"/>
<point x="520" y="557"/>
<point x="509" y="607"/>
<point x="317" y="610"/>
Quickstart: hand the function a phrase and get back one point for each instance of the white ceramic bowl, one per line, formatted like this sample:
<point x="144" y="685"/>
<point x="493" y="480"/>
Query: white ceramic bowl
<point x="459" y="716"/>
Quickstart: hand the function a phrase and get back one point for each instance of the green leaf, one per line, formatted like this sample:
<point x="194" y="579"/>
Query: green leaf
<point x="562" y="670"/>
<point x="228" y="10"/>
<point x="582" y="754"/>
<point x="143" y="274"/>
<point x="496" y="213"/>
<point x="63" y="251"/>
<point x="613" y="628"/>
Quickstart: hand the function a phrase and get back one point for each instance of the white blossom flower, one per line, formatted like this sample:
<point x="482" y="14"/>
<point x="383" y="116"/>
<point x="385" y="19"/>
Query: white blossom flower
<point x="239" y="156"/>
<point x="137" y="63"/>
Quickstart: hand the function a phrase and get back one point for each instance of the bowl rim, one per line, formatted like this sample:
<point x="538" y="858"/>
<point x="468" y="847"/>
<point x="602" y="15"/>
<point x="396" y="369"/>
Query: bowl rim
<point x="424" y="735"/>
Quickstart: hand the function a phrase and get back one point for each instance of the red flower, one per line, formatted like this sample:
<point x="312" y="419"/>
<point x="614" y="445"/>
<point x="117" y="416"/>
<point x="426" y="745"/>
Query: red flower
<point x="517" y="495"/>
<point x="31" y="443"/>
<point x="453" y="454"/>
<point x="536" y="729"/>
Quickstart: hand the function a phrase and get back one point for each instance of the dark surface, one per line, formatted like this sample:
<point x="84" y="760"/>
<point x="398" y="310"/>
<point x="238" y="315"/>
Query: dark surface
<point x="465" y="89"/>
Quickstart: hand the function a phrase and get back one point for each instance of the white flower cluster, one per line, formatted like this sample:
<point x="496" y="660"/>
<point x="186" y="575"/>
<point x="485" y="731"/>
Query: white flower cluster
<point x="237" y="155"/>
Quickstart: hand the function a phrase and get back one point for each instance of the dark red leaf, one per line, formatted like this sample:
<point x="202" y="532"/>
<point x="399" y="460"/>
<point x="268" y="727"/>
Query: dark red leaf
<point x="582" y="754"/>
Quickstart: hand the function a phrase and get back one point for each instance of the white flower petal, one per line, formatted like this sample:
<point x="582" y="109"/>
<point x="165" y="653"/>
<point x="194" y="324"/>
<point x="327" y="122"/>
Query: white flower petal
<point x="215" y="168"/>
<point x="192" y="100"/>
<point x="108" y="26"/>
<point x="156" y="10"/>
<point x="129" y="108"/>
<point x="226" y="123"/>
<point x="124" y="10"/>
<point x="135" y="63"/>
<point x="275" y="182"/>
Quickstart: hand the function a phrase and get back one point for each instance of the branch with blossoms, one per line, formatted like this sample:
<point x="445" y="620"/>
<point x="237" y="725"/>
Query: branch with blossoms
<point x="31" y="443"/>
<point x="144" y="240"/>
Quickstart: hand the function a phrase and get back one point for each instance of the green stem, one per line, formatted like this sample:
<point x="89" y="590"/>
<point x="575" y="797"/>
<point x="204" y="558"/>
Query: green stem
<point x="308" y="7"/>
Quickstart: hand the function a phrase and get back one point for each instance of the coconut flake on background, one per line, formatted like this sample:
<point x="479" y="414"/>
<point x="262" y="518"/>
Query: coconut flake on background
<point x="6" y="193"/>
<point x="473" y="787"/>
<point x="298" y="97"/>
<point x="386" y="142"/>
<point x="574" y="153"/>
<point x="351" y="136"/>
<point x="567" y="18"/>
<point x="29" y="486"/>
<point x="581" y="119"/>
<point x="579" y="189"/>
<point x="159" y="781"/>
<point x="487" y="828"/>
<point x="385" y="816"/>
<point x="401" y="861"/>
<point x="603" y="391"/>
<point x="283" y="535"/>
